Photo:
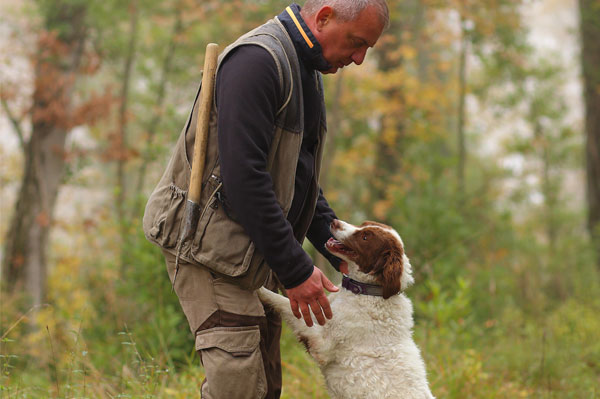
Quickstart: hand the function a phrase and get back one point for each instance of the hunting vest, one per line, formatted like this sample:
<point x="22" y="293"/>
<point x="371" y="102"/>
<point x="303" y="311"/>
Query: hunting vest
<point x="220" y="243"/>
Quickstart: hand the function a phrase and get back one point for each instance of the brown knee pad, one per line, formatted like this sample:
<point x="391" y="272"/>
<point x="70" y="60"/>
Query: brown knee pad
<point x="270" y="336"/>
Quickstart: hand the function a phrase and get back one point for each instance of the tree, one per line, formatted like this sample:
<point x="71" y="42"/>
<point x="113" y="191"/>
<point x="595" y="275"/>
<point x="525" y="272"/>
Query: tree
<point x="590" y="58"/>
<point x="547" y="145"/>
<point x="122" y="129"/>
<point x="59" y="58"/>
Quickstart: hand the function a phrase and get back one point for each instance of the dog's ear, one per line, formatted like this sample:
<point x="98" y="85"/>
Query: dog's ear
<point x="392" y="273"/>
<point x="388" y="268"/>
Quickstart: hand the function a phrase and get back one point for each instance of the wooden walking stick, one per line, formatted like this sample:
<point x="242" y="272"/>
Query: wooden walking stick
<point x="192" y="205"/>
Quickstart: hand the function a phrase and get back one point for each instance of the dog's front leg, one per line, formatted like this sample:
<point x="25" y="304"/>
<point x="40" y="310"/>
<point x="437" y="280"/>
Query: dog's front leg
<point x="282" y="305"/>
<point x="311" y="337"/>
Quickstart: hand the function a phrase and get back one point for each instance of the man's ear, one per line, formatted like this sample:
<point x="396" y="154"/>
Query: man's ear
<point x="324" y="16"/>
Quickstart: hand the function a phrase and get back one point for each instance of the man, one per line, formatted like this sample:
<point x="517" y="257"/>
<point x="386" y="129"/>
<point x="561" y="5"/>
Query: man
<point x="260" y="193"/>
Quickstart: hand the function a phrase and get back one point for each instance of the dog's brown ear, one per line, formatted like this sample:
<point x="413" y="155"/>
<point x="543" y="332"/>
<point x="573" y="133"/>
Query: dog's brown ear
<point x="392" y="274"/>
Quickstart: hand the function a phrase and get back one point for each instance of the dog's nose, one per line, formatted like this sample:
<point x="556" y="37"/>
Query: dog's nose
<point x="336" y="225"/>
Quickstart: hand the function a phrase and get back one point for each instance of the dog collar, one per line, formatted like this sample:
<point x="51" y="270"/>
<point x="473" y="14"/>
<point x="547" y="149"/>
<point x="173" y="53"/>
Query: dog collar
<point x="356" y="287"/>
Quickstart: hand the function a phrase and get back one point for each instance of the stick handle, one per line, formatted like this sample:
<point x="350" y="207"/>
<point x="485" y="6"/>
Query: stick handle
<point x="201" y="140"/>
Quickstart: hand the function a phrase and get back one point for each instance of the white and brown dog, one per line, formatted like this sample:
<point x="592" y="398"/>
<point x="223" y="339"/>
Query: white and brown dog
<point x="366" y="350"/>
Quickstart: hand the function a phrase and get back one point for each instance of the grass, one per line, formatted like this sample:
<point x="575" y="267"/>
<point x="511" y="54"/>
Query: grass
<point x="557" y="356"/>
<point x="70" y="369"/>
<point x="517" y="356"/>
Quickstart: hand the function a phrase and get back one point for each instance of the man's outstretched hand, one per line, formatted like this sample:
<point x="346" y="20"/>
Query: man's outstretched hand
<point x="310" y="294"/>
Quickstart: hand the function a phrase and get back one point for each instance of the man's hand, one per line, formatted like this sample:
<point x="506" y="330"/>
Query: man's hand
<point x="310" y="293"/>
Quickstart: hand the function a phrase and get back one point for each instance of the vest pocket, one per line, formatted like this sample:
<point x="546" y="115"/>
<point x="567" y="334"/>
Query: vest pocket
<point x="220" y="243"/>
<point x="165" y="231"/>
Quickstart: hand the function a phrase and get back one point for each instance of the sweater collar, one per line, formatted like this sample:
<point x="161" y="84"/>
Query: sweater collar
<point x="307" y="46"/>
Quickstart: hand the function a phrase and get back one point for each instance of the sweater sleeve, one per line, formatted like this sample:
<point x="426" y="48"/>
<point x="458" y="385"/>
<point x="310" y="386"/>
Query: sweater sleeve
<point x="247" y="90"/>
<point x="319" y="232"/>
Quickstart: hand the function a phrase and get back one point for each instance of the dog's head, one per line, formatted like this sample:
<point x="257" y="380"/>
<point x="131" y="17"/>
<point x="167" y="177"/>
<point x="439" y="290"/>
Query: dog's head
<point x="375" y="250"/>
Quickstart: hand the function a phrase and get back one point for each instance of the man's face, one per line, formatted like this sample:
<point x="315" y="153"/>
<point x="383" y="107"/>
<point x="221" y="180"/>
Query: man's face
<point x="345" y="42"/>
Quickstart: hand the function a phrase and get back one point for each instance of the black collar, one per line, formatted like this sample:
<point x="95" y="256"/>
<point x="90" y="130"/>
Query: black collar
<point x="356" y="287"/>
<point x="307" y="46"/>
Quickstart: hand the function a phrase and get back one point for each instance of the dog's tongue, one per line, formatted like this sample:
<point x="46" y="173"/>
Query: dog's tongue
<point x="333" y="243"/>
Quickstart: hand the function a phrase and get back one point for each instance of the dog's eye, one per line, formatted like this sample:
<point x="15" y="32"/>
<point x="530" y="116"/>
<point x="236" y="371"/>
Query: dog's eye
<point x="364" y="236"/>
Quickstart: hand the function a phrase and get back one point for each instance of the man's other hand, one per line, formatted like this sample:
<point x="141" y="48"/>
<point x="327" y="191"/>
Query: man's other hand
<point x="310" y="294"/>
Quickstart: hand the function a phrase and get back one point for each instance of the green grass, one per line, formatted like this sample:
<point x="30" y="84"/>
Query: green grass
<point x="510" y="356"/>
<point x="76" y="368"/>
<point x="556" y="356"/>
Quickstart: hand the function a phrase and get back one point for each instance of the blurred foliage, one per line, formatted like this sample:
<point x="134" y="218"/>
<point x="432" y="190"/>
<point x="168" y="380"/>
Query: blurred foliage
<point x="506" y="294"/>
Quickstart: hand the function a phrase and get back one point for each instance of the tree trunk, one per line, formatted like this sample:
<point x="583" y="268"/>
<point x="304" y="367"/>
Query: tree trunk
<point x="548" y="188"/>
<point x="462" y="94"/>
<point x="334" y="122"/>
<point x="421" y="38"/>
<point x="590" y="45"/>
<point x="60" y="49"/>
<point x="405" y="29"/>
<point x="393" y="124"/>
<point x="122" y="145"/>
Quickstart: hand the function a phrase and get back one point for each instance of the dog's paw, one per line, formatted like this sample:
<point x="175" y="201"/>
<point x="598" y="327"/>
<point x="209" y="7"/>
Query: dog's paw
<point x="276" y="301"/>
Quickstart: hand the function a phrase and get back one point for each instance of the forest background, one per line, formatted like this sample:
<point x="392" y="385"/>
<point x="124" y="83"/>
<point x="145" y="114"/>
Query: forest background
<point x="473" y="127"/>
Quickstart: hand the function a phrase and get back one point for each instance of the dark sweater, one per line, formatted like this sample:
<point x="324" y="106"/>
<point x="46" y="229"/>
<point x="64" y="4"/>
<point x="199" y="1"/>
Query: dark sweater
<point x="247" y="90"/>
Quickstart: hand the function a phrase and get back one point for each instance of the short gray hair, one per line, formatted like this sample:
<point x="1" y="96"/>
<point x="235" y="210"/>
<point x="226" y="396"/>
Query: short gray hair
<point x="348" y="10"/>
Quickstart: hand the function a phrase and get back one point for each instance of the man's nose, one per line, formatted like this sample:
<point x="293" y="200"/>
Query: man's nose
<point x="359" y="56"/>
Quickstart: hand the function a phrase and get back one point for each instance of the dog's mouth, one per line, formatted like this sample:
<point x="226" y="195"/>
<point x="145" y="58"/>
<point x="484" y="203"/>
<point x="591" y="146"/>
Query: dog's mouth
<point x="337" y="248"/>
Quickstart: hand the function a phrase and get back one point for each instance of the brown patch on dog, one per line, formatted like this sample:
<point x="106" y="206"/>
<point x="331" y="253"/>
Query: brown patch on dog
<point x="379" y="253"/>
<point x="371" y="223"/>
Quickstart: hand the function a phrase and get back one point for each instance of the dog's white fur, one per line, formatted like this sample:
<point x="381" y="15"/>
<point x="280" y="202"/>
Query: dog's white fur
<point x="366" y="350"/>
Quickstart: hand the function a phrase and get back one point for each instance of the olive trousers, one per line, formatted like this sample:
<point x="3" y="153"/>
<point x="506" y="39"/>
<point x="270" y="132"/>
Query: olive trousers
<point x="237" y="338"/>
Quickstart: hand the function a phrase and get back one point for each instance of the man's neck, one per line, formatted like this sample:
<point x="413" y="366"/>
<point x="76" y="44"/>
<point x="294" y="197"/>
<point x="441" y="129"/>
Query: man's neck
<point x="308" y="47"/>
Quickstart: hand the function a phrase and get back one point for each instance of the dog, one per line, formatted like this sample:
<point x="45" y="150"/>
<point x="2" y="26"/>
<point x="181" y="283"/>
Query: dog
<point x="366" y="350"/>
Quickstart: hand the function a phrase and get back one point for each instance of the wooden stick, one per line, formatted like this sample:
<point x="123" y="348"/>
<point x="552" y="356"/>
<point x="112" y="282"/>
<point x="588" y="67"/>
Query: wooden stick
<point x="201" y="140"/>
